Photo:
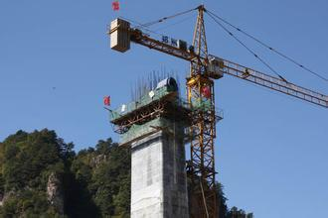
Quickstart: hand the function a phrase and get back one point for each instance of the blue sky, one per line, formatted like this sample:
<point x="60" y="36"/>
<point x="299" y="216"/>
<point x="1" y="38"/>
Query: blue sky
<point x="271" y="152"/>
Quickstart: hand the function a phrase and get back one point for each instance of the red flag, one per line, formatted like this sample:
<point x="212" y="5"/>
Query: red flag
<point x="116" y="5"/>
<point x="206" y="91"/>
<point x="107" y="100"/>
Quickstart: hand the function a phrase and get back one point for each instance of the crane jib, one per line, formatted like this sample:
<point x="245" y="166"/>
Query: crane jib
<point x="273" y="83"/>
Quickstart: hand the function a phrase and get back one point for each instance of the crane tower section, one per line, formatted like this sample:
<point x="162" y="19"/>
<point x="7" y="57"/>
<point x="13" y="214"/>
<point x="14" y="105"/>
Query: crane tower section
<point x="200" y="90"/>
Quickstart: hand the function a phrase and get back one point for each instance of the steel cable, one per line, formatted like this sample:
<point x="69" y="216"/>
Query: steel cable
<point x="169" y="17"/>
<point x="269" y="47"/>
<point x="247" y="48"/>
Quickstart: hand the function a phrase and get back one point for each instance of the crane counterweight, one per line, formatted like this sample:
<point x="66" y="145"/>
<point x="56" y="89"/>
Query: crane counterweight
<point x="120" y="35"/>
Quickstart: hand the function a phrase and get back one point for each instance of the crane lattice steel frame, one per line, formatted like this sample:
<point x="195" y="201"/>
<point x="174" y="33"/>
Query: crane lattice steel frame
<point x="203" y="128"/>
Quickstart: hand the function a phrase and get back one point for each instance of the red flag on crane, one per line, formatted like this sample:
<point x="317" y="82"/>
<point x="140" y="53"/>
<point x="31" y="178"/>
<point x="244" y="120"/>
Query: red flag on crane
<point x="206" y="91"/>
<point x="107" y="100"/>
<point x="116" y="5"/>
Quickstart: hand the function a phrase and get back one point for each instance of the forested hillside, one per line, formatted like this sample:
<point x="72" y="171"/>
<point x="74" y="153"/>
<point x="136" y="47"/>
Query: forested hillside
<point x="42" y="176"/>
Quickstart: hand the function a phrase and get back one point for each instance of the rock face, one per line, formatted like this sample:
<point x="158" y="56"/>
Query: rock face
<point x="95" y="161"/>
<point x="55" y="193"/>
<point x="6" y="196"/>
<point x="1" y="199"/>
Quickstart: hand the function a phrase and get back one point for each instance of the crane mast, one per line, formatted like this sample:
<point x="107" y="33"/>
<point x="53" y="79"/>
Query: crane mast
<point x="204" y="69"/>
<point x="200" y="88"/>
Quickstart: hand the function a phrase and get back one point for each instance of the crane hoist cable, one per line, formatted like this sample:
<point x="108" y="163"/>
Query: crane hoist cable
<point x="247" y="48"/>
<point x="269" y="47"/>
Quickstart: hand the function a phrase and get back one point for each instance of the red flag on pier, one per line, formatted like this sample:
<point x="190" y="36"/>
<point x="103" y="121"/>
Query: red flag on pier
<point x="107" y="100"/>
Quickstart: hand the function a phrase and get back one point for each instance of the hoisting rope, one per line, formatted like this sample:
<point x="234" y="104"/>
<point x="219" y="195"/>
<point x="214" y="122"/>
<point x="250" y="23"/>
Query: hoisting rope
<point x="246" y="47"/>
<point x="268" y="47"/>
<point x="204" y="200"/>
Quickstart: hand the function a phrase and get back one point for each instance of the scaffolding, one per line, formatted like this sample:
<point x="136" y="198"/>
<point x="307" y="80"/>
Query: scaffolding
<point x="155" y="112"/>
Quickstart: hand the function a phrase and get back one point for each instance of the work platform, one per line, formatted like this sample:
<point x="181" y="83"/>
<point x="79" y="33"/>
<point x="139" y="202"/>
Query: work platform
<point x="137" y="119"/>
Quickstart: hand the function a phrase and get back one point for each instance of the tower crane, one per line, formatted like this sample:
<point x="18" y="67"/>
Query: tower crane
<point x="204" y="69"/>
